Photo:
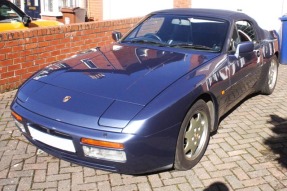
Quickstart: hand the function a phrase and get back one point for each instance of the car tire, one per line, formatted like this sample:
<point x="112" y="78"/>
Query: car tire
<point x="271" y="77"/>
<point x="193" y="136"/>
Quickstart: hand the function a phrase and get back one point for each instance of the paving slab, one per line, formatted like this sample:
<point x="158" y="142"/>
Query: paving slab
<point x="249" y="152"/>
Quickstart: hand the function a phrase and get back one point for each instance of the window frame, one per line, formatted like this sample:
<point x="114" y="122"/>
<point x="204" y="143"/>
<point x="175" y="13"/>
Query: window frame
<point x="58" y="4"/>
<point x="232" y="46"/>
<point x="251" y="26"/>
<point x="55" y="8"/>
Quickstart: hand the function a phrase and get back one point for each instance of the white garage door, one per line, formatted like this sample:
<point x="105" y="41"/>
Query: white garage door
<point x="266" y="13"/>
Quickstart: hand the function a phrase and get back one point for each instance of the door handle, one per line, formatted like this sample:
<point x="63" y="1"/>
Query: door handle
<point x="258" y="54"/>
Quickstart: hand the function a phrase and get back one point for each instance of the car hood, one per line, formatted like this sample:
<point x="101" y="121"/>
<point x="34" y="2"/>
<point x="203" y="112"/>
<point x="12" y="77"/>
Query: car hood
<point x="44" y="23"/>
<point x="107" y="86"/>
<point x="20" y="26"/>
<point x="119" y="72"/>
<point x="11" y="26"/>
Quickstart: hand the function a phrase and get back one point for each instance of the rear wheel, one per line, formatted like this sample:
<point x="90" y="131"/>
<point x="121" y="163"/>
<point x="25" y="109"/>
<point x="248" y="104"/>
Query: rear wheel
<point x="271" y="78"/>
<point x="193" y="137"/>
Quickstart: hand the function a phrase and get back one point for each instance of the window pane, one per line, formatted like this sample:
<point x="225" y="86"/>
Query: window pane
<point x="74" y="3"/>
<point x="17" y="3"/>
<point x="48" y="6"/>
<point x="246" y="30"/>
<point x="7" y="14"/>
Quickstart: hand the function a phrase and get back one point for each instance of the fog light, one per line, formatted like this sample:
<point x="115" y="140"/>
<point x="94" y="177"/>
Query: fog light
<point x="106" y="154"/>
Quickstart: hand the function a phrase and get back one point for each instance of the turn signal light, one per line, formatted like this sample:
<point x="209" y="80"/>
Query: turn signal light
<point x="102" y="143"/>
<point x="18" y="117"/>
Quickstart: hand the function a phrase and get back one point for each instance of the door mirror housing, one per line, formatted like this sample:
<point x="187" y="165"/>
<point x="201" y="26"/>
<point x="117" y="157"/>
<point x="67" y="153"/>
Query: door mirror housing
<point x="26" y="20"/>
<point x="243" y="48"/>
<point x="116" y="35"/>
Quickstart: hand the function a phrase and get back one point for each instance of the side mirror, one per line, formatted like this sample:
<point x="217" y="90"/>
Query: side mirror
<point x="26" y="20"/>
<point x="116" y="35"/>
<point x="243" y="48"/>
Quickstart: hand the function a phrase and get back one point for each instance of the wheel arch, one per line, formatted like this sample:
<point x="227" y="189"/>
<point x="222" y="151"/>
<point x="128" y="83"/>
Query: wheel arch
<point x="277" y="54"/>
<point x="212" y="106"/>
<point x="180" y="162"/>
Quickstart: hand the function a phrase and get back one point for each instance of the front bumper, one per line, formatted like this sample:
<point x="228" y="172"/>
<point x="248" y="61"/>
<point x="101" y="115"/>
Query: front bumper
<point x="143" y="153"/>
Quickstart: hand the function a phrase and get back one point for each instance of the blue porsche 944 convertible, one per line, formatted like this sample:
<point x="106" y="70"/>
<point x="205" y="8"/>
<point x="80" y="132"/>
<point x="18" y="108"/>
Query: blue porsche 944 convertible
<point x="151" y="100"/>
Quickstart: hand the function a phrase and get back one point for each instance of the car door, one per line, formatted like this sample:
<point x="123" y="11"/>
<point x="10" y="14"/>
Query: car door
<point x="244" y="68"/>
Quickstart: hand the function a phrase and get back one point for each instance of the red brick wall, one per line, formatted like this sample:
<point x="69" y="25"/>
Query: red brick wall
<point x="24" y="52"/>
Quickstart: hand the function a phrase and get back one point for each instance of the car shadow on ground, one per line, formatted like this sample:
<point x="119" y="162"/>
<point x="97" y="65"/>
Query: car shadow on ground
<point x="217" y="186"/>
<point x="233" y="109"/>
<point x="278" y="142"/>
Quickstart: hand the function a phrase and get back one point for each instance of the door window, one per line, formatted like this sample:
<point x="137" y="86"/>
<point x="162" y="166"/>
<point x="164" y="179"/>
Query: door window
<point x="243" y="32"/>
<point x="246" y="31"/>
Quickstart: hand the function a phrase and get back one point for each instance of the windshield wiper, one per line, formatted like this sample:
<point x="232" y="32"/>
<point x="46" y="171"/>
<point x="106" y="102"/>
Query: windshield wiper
<point x="193" y="46"/>
<point x="145" y="41"/>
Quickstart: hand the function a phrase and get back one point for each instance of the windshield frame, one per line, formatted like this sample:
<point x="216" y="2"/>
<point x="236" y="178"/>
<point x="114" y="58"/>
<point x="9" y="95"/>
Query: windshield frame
<point x="128" y="38"/>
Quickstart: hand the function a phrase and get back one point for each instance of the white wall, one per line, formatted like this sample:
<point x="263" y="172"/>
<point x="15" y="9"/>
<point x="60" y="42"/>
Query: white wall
<point x="115" y="9"/>
<point x="265" y="12"/>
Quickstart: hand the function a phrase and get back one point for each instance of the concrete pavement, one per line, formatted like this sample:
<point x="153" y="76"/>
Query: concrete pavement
<point x="249" y="152"/>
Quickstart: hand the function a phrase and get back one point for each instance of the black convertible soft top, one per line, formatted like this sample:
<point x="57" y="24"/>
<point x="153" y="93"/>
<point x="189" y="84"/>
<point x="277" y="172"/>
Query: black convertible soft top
<point x="228" y="15"/>
<point x="214" y="13"/>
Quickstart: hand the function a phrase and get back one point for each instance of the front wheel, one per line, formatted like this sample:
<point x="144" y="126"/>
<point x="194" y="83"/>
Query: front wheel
<point x="271" y="77"/>
<point x="193" y="137"/>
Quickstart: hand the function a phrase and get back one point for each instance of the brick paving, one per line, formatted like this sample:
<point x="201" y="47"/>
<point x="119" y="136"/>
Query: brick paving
<point x="249" y="152"/>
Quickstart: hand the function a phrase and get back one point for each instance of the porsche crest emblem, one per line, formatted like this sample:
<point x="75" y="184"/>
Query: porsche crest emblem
<point x="66" y="99"/>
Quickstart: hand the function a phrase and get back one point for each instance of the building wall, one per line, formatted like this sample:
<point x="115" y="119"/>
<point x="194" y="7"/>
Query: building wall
<point x="111" y="9"/>
<point x="98" y="10"/>
<point x="25" y="52"/>
<point x="119" y="9"/>
<point x="266" y="13"/>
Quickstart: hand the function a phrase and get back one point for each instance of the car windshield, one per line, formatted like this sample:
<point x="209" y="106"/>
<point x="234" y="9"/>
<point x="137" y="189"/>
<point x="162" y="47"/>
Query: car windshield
<point x="7" y="14"/>
<point x="186" y="32"/>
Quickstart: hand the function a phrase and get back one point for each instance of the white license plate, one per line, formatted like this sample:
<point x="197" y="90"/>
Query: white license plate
<point x="54" y="141"/>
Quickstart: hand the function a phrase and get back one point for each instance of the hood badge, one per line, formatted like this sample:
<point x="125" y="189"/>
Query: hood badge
<point x="66" y="99"/>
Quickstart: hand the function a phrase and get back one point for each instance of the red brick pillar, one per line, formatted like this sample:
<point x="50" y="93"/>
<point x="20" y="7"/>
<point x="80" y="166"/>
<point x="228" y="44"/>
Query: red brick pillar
<point x="181" y="3"/>
<point x="95" y="10"/>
